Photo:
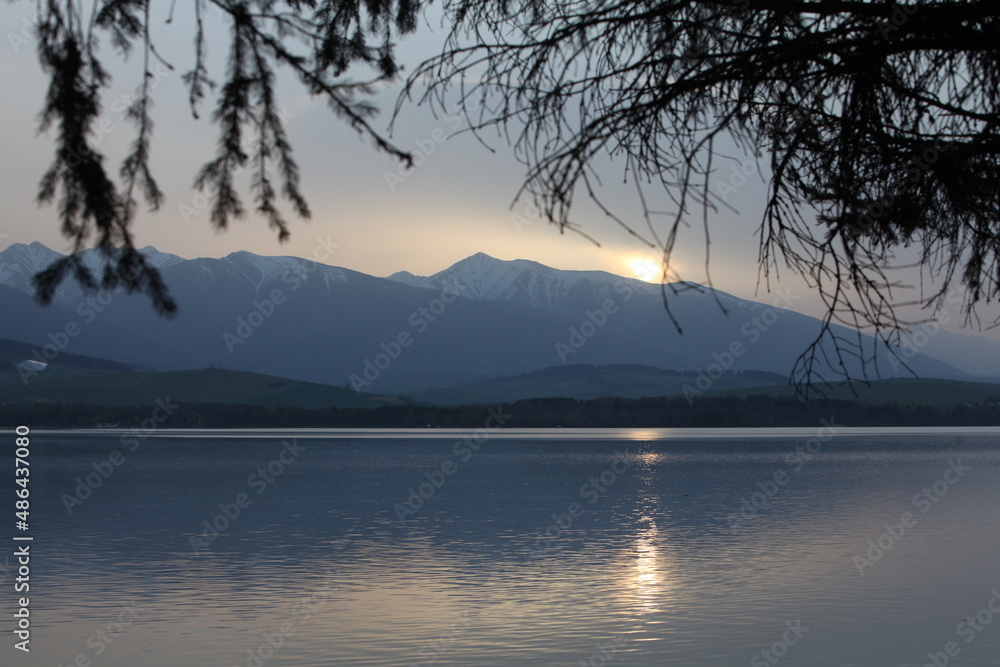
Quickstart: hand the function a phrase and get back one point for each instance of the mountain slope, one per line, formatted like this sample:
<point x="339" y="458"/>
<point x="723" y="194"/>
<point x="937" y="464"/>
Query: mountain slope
<point x="22" y="261"/>
<point x="482" y="277"/>
<point x="209" y="385"/>
<point x="583" y="381"/>
<point x="766" y="336"/>
<point x="902" y="391"/>
<point x="15" y="353"/>
<point x="482" y="318"/>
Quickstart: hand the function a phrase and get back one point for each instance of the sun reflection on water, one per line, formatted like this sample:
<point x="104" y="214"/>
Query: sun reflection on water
<point x="648" y="581"/>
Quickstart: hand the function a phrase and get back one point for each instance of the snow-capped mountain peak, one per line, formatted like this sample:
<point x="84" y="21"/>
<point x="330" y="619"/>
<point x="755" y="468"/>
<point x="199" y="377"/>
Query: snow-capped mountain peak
<point x="158" y="259"/>
<point x="524" y="312"/>
<point x="20" y="261"/>
<point x="487" y="278"/>
<point x="32" y="256"/>
<point x="262" y="269"/>
<point x="407" y="278"/>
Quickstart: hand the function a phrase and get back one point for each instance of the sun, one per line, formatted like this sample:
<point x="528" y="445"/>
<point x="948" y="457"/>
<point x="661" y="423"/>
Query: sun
<point x="646" y="268"/>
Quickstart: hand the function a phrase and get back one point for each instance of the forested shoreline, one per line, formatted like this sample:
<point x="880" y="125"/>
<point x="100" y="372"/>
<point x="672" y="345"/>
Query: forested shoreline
<point x="707" y="412"/>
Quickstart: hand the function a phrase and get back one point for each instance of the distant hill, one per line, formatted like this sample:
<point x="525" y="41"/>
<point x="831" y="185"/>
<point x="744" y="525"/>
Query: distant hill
<point x="209" y="385"/>
<point x="80" y="379"/>
<point x="481" y="318"/>
<point x="62" y="365"/>
<point x="902" y="391"/>
<point x="584" y="381"/>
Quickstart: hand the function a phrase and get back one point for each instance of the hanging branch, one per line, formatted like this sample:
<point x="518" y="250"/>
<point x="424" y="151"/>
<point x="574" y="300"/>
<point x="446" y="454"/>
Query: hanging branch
<point x="93" y="208"/>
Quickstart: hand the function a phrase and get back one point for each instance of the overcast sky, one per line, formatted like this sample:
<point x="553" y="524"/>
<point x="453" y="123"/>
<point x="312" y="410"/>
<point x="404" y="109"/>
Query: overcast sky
<point x="456" y="203"/>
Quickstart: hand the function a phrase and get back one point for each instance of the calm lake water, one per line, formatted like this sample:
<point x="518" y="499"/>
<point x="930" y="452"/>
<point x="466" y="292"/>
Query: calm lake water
<point x="861" y="548"/>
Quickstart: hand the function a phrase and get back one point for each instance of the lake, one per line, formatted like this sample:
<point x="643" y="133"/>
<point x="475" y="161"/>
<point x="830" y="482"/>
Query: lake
<point x="622" y="547"/>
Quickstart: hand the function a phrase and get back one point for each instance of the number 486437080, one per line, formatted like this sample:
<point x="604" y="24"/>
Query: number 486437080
<point x="22" y="475"/>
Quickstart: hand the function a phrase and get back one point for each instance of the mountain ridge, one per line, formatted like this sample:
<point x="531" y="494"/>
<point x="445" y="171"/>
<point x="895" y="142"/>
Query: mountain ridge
<point x="478" y="319"/>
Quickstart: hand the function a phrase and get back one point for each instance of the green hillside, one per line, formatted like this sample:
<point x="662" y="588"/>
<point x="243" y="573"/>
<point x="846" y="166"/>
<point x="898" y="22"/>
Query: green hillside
<point x="210" y="385"/>
<point x="78" y="379"/>
<point x="62" y="365"/>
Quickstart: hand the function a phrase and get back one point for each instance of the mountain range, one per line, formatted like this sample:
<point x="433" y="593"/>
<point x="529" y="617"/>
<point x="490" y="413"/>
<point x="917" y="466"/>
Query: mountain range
<point x="479" y="319"/>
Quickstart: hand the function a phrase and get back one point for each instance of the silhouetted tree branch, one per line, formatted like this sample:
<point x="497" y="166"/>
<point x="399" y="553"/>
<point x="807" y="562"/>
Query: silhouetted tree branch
<point x="877" y="121"/>
<point x="337" y="33"/>
<point x="877" y="124"/>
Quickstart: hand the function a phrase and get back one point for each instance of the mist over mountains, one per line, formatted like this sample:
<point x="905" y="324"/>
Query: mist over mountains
<point x="480" y="318"/>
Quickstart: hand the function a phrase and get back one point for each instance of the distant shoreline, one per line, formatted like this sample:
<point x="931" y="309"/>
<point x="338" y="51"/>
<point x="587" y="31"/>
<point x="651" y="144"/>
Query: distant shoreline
<point x="709" y="412"/>
<point x="551" y="433"/>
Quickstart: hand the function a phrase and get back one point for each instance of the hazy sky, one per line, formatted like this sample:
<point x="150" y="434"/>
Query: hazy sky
<point x="456" y="203"/>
